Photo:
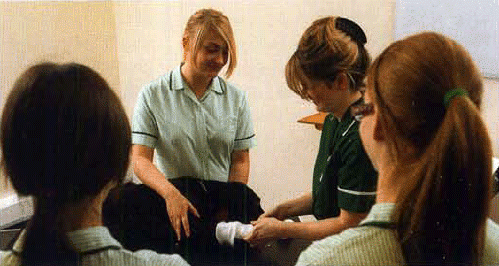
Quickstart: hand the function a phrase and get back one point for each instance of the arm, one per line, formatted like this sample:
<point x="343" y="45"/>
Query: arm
<point x="295" y="207"/>
<point x="268" y="229"/>
<point x="176" y="204"/>
<point x="239" y="166"/>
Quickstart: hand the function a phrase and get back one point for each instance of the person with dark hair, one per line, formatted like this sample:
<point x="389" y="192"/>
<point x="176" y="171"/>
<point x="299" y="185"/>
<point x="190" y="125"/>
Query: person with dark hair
<point x="422" y="129"/>
<point x="65" y="141"/>
<point x="328" y="68"/>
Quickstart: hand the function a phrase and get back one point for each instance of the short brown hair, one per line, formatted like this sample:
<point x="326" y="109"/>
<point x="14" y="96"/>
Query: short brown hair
<point x="329" y="46"/>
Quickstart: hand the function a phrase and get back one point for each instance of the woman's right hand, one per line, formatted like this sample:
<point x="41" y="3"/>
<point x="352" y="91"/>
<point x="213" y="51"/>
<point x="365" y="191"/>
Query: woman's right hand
<point x="178" y="208"/>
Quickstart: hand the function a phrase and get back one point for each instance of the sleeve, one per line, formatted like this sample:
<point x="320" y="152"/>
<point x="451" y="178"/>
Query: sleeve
<point x="320" y="252"/>
<point x="149" y="257"/>
<point x="170" y="260"/>
<point x="310" y="256"/>
<point x="144" y="126"/>
<point x="491" y="249"/>
<point x="245" y="134"/>
<point x="356" y="177"/>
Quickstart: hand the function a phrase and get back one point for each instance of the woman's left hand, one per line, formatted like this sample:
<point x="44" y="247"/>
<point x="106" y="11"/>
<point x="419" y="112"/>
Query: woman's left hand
<point x="265" y="229"/>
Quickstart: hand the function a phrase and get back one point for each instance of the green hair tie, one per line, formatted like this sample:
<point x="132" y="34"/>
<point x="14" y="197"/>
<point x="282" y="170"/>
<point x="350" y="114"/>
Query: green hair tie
<point x="449" y="95"/>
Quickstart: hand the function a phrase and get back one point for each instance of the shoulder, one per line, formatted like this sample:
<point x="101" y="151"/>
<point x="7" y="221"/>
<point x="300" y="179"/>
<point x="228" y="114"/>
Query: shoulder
<point x="230" y="89"/>
<point x="97" y="244"/>
<point x="8" y="258"/>
<point x="152" y="95"/>
<point x="355" y="246"/>
<point x="491" y="249"/>
<point x="3" y="254"/>
<point x="146" y="257"/>
<point x="159" y="85"/>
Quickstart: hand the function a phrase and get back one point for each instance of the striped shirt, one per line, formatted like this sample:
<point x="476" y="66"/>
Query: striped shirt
<point x="371" y="245"/>
<point x="97" y="247"/>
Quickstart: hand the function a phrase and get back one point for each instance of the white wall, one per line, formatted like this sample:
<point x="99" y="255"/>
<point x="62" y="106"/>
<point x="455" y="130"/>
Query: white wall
<point x="132" y="43"/>
<point x="266" y="33"/>
<point x="31" y="32"/>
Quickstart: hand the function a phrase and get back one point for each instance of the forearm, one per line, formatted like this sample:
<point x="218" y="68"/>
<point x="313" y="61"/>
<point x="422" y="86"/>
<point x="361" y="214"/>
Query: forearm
<point x="296" y="207"/>
<point x="319" y="229"/>
<point x="149" y="174"/>
<point x="240" y="167"/>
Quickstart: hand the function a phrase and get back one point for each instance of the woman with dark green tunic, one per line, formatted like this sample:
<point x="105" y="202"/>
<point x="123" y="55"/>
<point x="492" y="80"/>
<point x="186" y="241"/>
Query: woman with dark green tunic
<point x="328" y="68"/>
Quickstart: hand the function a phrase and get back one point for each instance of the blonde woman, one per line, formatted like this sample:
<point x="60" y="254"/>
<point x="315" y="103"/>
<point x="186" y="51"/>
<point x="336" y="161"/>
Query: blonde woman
<point x="191" y="135"/>
<point x="198" y="124"/>
<point x="422" y="128"/>
<point x="328" y="68"/>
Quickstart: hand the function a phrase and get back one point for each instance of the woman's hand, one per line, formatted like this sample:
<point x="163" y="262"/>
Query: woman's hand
<point x="178" y="208"/>
<point x="277" y="212"/>
<point x="294" y="207"/>
<point x="265" y="230"/>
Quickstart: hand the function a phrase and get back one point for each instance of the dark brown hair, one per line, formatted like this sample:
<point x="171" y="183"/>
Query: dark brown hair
<point x="331" y="45"/>
<point x="441" y="212"/>
<point x="64" y="137"/>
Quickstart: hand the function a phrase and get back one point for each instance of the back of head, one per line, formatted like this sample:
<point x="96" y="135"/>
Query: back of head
<point x="330" y="46"/>
<point x="205" y="20"/>
<point x="428" y="91"/>
<point x="64" y="137"/>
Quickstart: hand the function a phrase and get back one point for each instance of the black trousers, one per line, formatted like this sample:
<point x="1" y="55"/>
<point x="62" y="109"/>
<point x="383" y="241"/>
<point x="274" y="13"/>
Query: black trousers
<point x="137" y="217"/>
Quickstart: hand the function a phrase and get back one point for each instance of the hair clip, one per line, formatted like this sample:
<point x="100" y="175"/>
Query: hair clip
<point x="449" y="95"/>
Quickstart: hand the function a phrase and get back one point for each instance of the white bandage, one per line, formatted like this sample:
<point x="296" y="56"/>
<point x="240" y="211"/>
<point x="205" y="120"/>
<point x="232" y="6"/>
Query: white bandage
<point x="226" y="232"/>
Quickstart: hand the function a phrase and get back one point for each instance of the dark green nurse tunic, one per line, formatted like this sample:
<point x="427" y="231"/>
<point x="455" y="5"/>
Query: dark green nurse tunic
<point x="344" y="177"/>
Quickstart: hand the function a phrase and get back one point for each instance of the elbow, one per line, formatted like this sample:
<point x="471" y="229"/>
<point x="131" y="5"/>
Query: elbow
<point x="348" y="219"/>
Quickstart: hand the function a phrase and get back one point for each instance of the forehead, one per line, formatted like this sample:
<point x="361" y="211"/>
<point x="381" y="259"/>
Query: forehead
<point x="309" y="83"/>
<point x="212" y="37"/>
<point x="368" y="95"/>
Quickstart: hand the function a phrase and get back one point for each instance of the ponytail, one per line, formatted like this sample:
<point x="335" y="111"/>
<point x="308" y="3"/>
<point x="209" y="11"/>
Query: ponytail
<point x="441" y="215"/>
<point x="46" y="224"/>
<point x="64" y="137"/>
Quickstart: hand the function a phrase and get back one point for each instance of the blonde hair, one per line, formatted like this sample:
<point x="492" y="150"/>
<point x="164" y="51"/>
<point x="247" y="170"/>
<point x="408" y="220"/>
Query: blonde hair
<point x="205" y="20"/>
<point x="441" y="212"/>
<point x="329" y="46"/>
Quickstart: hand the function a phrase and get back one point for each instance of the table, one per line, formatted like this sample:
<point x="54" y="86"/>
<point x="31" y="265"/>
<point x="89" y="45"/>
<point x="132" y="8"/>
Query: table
<point x="316" y="119"/>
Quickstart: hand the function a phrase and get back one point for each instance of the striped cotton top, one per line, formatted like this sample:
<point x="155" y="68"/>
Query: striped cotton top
<point x="97" y="247"/>
<point x="372" y="245"/>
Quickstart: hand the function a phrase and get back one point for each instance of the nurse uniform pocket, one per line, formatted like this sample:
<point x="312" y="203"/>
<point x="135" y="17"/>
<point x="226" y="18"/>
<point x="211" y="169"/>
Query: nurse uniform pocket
<point x="221" y="133"/>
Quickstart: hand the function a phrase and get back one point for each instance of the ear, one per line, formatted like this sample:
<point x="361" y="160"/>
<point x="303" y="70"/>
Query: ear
<point x="378" y="132"/>
<point x="185" y="48"/>
<point x="185" y="43"/>
<point x="342" y="81"/>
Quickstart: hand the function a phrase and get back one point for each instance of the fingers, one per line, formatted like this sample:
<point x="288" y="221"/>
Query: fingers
<point x="251" y="237"/>
<point x="185" y="224"/>
<point x="178" y="213"/>
<point x="193" y="210"/>
<point x="263" y="215"/>
<point x="176" y="226"/>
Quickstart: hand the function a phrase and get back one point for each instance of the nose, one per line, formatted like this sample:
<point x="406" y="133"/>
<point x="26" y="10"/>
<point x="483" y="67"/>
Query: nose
<point x="310" y="94"/>
<point x="220" y="58"/>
